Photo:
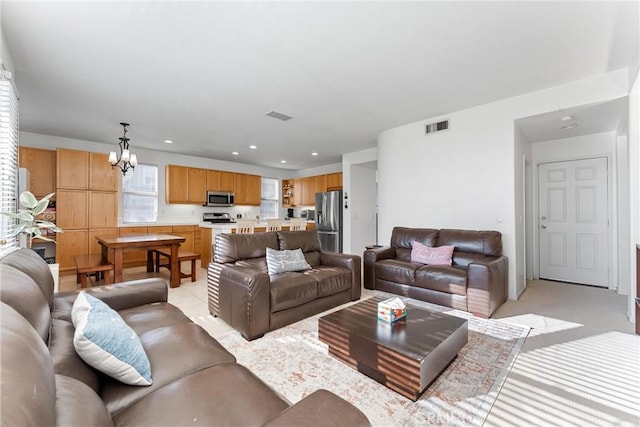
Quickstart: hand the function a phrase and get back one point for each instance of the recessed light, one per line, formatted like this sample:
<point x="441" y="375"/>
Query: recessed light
<point x="235" y="153"/>
<point x="566" y="118"/>
<point x="253" y="147"/>
<point x="567" y="127"/>
<point x="283" y="161"/>
<point x="168" y="141"/>
<point x="314" y="154"/>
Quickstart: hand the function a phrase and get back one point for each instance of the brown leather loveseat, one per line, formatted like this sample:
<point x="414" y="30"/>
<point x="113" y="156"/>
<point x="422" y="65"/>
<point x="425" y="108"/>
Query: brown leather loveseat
<point x="244" y="295"/>
<point x="476" y="281"/>
<point x="195" y="380"/>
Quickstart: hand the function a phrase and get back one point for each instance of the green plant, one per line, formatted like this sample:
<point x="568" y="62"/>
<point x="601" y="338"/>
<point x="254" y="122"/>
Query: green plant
<point x="30" y="225"/>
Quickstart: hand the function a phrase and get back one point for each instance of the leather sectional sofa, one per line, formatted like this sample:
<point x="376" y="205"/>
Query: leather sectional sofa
<point x="195" y="380"/>
<point x="244" y="295"/>
<point x="476" y="281"/>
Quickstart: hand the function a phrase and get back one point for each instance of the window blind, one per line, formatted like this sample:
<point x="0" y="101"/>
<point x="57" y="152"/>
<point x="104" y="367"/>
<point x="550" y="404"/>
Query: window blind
<point x="140" y="194"/>
<point x="8" y="160"/>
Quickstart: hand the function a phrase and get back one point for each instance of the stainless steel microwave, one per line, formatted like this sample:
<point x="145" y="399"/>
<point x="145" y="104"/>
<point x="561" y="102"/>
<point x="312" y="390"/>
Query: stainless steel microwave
<point x="220" y="198"/>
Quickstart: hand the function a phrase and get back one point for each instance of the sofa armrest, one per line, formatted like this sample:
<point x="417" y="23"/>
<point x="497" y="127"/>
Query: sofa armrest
<point x="244" y="299"/>
<point x="118" y="296"/>
<point x="351" y="262"/>
<point x="320" y="408"/>
<point x="370" y="258"/>
<point x="487" y="283"/>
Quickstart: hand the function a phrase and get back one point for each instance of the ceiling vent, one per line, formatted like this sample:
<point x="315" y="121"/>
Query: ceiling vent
<point x="437" y="127"/>
<point x="279" y="116"/>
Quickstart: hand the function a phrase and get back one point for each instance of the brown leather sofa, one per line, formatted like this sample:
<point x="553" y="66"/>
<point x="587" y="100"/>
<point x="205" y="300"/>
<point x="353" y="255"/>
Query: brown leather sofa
<point x="475" y="282"/>
<point x="195" y="380"/>
<point x="242" y="293"/>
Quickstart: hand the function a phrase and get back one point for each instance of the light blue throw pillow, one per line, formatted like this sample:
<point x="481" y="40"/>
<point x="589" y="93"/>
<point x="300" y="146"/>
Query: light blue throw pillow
<point x="106" y="342"/>
<point x="287" y="260"/>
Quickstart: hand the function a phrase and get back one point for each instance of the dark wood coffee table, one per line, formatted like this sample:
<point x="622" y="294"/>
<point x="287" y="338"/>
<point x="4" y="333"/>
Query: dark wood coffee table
<point x="406" y="355"/>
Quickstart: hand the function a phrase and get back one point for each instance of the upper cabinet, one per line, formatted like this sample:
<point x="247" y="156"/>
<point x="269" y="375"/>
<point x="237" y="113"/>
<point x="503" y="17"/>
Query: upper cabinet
<point x="102" y="176"/>
<point x="189" y="185"/>
<point x="302" y="191"/>
<point x="41" y="165"/>
<point x="73" y="169"/>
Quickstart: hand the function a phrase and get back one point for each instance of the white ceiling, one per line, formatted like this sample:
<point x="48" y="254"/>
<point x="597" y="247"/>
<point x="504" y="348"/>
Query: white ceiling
<point x="204" y="74"/>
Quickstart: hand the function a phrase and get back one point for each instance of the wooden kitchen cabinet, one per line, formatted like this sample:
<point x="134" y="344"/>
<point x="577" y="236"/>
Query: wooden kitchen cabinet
<point x="240" y="189"/>
<point x="69" y="244"/>
<point x="186" y="231"/>
<point x="72" y="209"/>
<point x="102" y="176"/>
<point x="227" y="181"/>
<point x="197" y="185"/>
<point x="72" y="168"/>
<point x="176" y="184"/>
<point x="309" y="185"/>
<point x="334" y="181"/>
<point x="297" y="192"/>
<point x="41" y="165"/>
<point x="320" y="185"/>
<point x="248" y="189"/>
<point x="103" y="209"/>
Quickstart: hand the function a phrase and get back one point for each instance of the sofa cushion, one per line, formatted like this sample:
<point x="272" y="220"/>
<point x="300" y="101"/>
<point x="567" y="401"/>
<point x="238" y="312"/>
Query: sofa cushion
<point x="402" y="239"/>
<point x="291" y="290"/>
<point x="223" y="395"/>
<point x="174" y="352"/>
<point x="331" y="280"/>
<point x="394" y="270"/>
<point x="307" y="240"/>
<point x="78" y="405"/>
<point x="257" y="264"/>
<point x="106" y="342"/>
<point x="286" y="260"/>
<point x="443" y="278"/>
<point x="29" y="262"/>
<point x="439" y="255"/>
<point x="480" y="242"/>
<point x="148" y="317"/>
<point x="66" y="360"/>
<point x="233" y="247"/>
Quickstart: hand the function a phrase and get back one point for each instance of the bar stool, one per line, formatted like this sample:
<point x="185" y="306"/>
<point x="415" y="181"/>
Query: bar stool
<point x="274" y="225"/>
<point x="297" y="224"/>
<point x="245" y="226"/>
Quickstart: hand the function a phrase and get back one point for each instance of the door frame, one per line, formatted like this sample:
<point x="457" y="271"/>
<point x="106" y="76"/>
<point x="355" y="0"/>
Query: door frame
<point x="612" y="214"/>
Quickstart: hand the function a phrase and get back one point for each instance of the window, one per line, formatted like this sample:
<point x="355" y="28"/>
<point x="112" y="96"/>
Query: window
<point x="140" y="194"/>
<point x="8" y="160"/>
<point x="269" y="198"/>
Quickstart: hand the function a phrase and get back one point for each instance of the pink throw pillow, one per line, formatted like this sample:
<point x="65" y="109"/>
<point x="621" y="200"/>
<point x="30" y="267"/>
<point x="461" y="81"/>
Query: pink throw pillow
<point x="439" y="255"/>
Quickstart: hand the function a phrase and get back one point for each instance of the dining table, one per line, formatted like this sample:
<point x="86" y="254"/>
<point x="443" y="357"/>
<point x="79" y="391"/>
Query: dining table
<point x="113" y="249"/>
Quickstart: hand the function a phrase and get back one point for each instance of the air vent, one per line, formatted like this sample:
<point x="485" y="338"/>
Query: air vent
<point x="279" y="116"/>
<point x="437" y="127"/>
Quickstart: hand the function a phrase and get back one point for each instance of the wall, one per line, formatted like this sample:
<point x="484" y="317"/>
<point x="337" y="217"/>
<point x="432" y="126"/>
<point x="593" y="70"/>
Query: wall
<point x="522" y="154"/>
<point x="5" y="55"/>
<point x="167" y="213"/>
<point x="586" y="146"/>
<point x="634" y="186"/>
<point x="464" y="177"/>
<point x="362" y="209"/>
<point x="351" y="184"/>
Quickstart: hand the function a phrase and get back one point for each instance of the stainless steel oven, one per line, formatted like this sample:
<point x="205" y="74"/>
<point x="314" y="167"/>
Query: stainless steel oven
<point x="220" y="198"/>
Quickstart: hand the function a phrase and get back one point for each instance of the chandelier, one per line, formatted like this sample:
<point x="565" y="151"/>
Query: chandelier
<point x="125" y="160"/>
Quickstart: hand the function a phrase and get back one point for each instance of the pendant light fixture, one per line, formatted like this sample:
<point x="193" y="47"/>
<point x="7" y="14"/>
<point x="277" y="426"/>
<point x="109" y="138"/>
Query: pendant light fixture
<point x="125" y="160"/>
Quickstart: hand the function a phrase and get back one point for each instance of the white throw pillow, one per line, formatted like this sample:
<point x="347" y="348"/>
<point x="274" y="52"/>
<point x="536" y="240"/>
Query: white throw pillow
<point x="106" y="342"/>
<point x="287" y="260"/>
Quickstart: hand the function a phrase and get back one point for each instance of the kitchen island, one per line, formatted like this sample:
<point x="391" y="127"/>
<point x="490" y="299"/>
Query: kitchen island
<point x="209" y="230"/>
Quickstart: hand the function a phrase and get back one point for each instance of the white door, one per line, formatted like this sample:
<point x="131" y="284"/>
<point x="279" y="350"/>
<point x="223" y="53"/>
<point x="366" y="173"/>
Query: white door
<point x="573" y="221"/>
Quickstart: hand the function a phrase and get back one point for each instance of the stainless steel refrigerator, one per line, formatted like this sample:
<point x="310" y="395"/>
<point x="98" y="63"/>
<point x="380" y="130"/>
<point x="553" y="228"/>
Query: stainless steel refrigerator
<point x="329" y="220"/>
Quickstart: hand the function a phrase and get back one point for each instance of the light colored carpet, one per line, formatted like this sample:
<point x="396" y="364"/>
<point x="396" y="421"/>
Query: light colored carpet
<point x="295" y="363"/>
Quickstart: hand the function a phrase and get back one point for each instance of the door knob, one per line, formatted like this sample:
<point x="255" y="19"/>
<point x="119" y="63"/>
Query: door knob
<point x="544" y="218"/>
<point x="543" y="226"/>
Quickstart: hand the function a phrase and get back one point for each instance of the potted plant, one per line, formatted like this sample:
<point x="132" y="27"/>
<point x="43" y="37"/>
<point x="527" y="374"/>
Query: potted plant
<point x="31" y="225"/>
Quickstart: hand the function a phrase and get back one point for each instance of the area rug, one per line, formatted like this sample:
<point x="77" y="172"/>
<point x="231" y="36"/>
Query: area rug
<point x="293" y="362"/>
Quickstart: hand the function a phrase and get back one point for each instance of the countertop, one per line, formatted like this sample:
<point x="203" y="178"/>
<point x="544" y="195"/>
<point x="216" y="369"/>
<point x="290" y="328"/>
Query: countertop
<point x="232" y="225"/>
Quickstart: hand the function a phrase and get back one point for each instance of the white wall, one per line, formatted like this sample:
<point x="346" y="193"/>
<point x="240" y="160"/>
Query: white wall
<point x="5" y="55"/>
<point x="587" y="146"/>
<point x="464" y="177"/>
<point x="167" y="213"/>
<point x="522" y="154"/>
<point x="362" y="209"/>
<point x="634" y="184"/>
<point x="350" y="185"/>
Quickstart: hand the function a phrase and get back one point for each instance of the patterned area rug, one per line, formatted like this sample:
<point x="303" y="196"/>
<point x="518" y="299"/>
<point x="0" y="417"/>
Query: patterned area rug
<point x="293" y="362"/>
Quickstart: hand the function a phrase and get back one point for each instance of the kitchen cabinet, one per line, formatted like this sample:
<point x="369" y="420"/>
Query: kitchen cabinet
<point x="41" y="165"/>
<point x="186" y="231"/>
<point x="197" y="185"/>
<point x="220" y="180"/>
<point x="72" y="168"/>
<point x="176" y="184"/>
<point x="309" y="186"/>
<point x="69" y="244"/>
<point x="334" y="181"/>
<point x="102" y="176"/>
<point x="287" y="193"/>
<point x="248" y="189"/>
<point x="94" y="246"/>
<point x="103" y="209"/>
<point x="297" y="192"/>
<point x="72" y="209"/>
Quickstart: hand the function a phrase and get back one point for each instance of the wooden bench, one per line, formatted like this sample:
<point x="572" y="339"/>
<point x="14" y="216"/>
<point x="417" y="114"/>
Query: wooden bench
<point x="182" y="256"/>
<point x="92" y="264"/>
